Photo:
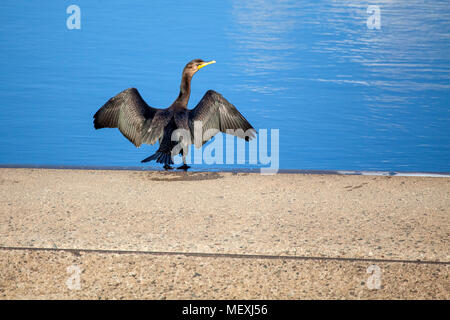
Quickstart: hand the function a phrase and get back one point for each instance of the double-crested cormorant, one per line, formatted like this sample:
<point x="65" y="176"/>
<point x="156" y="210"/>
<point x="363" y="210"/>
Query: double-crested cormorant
<point x="141" y="123"/>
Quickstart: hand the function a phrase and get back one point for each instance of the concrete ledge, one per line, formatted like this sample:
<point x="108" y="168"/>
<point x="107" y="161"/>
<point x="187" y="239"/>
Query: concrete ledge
<point x="44" y="275"/>
<point x="390" y="222"/>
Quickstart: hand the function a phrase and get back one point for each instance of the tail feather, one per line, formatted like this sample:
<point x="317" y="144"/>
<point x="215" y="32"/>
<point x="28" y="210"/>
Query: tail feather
<point x="160" y="157"/>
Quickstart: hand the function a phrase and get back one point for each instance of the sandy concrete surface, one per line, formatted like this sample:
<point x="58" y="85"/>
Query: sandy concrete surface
<point x="349" y="223"/>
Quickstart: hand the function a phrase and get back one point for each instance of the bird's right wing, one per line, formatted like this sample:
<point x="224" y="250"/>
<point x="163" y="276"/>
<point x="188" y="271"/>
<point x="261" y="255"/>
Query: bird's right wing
<point x="128" y="112"/>
<point x="214" y="113"/>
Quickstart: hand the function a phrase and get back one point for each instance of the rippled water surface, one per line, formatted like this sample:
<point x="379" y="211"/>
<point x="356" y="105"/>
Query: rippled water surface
<point x="342" y="95"/>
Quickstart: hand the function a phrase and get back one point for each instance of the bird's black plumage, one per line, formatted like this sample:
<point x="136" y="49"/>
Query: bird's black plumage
<point x="141" y="123"/>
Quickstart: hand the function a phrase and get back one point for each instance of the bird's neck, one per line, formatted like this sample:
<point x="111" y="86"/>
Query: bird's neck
<point x="185" y="90"/>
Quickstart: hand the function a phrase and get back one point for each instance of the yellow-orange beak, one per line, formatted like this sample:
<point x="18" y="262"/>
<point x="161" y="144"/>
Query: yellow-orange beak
<point x="205" y="64"/>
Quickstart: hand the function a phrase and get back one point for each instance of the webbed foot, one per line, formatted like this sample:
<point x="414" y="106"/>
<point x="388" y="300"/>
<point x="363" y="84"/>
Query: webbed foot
<point x="184" y="167"/>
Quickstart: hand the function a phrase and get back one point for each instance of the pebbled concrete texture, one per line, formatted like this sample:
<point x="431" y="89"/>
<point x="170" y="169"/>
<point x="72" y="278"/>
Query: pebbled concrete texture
<point x="51" y="275"/>
<point x="293" y="215"/>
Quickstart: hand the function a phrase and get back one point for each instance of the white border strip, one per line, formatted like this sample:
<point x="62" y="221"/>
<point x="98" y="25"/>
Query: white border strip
<point x="398" y="174"/>
<point x="253" y="170"/>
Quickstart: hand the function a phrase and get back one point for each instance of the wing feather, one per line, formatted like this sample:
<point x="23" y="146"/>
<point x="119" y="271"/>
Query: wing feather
<point x="135" y="119"/>
<point x="215" y="112"/>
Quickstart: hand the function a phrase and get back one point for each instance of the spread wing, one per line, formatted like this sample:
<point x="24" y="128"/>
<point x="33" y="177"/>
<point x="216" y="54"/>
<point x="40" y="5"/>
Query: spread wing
<point x="213" y="114"/>
<point x="137" y="121"/>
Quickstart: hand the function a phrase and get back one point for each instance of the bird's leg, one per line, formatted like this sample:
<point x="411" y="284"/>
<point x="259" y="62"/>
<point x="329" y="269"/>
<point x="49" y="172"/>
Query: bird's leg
<point x="167" y="167"/>
<point x="184" y="166"/>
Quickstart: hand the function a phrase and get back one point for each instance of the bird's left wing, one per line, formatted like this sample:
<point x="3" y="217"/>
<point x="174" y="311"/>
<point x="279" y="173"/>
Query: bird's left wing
<point x="128" y="112"/>
<point x="213" y="114"/>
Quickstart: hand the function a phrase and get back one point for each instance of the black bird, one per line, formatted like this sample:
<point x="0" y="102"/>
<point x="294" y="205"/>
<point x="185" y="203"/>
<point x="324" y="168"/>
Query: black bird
<point x="141" y="123"/>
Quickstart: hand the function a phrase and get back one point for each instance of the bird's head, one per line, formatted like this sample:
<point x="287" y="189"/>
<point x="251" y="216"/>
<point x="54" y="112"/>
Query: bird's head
<point x="193" y="66"/>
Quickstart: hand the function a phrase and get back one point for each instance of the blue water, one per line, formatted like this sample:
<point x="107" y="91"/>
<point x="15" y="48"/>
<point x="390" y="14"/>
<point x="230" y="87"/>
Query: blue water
<point x="342" y="95"/>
